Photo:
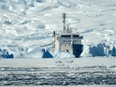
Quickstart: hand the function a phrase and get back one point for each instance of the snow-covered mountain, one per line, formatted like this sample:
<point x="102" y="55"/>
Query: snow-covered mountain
<point x="26" y="26"/>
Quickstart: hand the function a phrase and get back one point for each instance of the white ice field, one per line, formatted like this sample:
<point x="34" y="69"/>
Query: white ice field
<point x="70" y="72"/>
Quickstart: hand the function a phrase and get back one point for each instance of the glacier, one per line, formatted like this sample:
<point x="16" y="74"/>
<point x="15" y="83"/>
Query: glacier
<point x="27" y="26"/>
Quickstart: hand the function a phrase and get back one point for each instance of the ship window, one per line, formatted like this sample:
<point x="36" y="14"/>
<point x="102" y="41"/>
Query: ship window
<point x="64" y="41"/>
<point x="75" y="35"/>
<point x="67" y="50"/>
<point x="65" y="35"/>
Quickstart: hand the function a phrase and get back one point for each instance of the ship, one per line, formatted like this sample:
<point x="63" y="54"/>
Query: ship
<point x="68" y="41"/>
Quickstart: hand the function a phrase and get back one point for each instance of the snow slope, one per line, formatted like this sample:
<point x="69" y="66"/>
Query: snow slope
<point x="26" y="26"/>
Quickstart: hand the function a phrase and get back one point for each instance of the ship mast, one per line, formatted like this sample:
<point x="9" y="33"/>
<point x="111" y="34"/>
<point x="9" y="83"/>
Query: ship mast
<point x="64" y="23"/>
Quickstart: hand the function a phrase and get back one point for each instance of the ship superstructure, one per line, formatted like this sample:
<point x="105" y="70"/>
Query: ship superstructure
<point x="68" y="41"/>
